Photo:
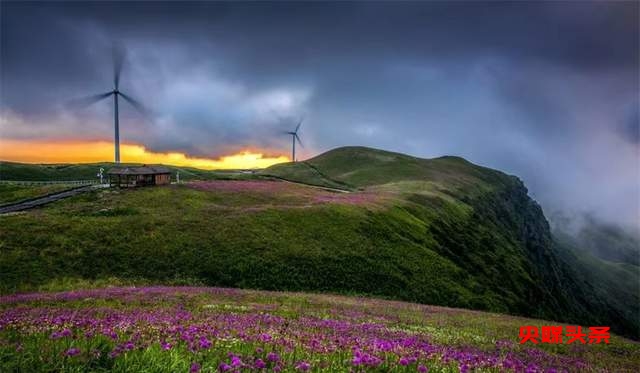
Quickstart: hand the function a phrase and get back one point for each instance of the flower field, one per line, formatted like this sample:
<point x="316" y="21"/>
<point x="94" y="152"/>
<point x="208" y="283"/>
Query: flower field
<point x="198" y="329"/>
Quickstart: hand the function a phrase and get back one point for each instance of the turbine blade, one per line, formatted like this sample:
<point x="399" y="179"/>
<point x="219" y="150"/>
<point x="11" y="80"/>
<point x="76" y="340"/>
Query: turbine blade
<point x="118" y="60"/>
<point x="136" y="104"/>
<point x="83" y="102"/>
<point x="298" y="138"/>
<point x="298" y="126"/>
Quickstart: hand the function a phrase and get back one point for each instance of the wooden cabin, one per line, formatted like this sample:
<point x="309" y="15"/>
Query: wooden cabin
<point x="139" y="176"/>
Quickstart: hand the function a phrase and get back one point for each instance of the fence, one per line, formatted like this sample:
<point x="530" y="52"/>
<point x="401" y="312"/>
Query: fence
<point x="36" y="182"/>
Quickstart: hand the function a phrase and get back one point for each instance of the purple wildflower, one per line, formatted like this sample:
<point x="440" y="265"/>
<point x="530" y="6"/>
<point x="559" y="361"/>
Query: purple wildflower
<point x="224" y="367"/>
<point x="272" y="356"/>
<point x="236" y="362"/>
<point x="73" y="351"/>
<point x="195" y="368"/>
<point x="265" y="337"/>
<point x="303" y="366"/>
<point x="260" y="364"/>
<point x="205" y="343"/>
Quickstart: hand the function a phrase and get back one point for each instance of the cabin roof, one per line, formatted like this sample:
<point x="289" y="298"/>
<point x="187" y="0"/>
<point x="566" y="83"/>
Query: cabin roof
<point x="143" y="170"/>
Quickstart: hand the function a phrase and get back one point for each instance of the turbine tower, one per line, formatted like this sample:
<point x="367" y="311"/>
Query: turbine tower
<point x="118" y="61"/>
<point x="294" y="137"/>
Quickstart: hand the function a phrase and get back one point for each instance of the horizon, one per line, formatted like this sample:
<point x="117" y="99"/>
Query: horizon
<point x="226" y="164"/>
<point x="132" y="153"/>
<point x="544" y="91"/>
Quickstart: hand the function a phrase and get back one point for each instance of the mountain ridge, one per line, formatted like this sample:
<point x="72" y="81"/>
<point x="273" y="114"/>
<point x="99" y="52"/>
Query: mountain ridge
<point x="503" y="201"/>
<point x="440" y="231"/>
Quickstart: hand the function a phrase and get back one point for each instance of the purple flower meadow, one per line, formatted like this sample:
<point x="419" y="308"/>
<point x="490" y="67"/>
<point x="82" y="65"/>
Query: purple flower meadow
<point x="229" y="330"/>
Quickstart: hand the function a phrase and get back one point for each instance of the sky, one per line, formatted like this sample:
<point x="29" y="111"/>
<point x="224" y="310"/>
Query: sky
<point x="547" y="91"/>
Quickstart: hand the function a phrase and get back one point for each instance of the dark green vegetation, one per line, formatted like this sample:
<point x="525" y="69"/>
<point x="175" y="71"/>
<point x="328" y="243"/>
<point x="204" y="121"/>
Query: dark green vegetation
<point x="611" y="289"/>
<point x="441" y="231"/>
<point x="505" y="242"/>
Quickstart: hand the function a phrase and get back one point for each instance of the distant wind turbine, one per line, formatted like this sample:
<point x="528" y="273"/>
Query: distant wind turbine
<point x="118" y="61"/>
<point x="294" y="137"/>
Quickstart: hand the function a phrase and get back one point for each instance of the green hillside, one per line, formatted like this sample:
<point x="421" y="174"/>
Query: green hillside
<point x="585" y="284"/>
<point x="359" y="167"/>
<point x="441" y="231"/>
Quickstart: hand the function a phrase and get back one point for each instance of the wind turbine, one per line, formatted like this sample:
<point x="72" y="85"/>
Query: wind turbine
<point x="118" y="61"/>
<point x="294" y="137"/>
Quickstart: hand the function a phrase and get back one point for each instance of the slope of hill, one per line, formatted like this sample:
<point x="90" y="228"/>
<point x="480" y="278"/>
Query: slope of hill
<point x="359" y="167"/>
<point x="578" y="283"/>
<point x="442" y="231"/>
<point x="614" y="286"/>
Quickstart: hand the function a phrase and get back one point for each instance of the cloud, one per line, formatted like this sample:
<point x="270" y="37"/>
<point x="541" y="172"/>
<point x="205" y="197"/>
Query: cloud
<point x="544" y="90"/>
<point x="101" y="151"/>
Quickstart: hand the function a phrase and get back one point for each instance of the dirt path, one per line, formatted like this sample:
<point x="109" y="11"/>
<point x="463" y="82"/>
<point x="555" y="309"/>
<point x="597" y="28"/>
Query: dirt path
<point x="312" y="186"/>
<point x="39" y="201"/>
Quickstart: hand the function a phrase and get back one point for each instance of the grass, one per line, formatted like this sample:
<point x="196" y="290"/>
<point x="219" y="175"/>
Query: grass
<point x="164" y="329"/>
<point x="359" y="167"/>
<point x="276" y="236"/>
<point x="228" y="238"/>
<point x="441" y="231"/>
<point x="10" y="193"/>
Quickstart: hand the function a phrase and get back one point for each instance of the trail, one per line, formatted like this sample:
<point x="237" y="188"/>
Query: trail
<point x="309" y="185"/>
<point x="39" y="201"/>
<point x="323" y="176"/>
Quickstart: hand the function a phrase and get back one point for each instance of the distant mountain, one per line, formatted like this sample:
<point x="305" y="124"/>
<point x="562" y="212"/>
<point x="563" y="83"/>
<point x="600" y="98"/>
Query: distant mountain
<point x="609" y="242"/>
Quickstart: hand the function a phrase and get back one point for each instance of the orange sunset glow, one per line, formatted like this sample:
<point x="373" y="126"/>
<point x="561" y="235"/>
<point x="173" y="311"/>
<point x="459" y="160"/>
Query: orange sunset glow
<point x="100" y="151"/>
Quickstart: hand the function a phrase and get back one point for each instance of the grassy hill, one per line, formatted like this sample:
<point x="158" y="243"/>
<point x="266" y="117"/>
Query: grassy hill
<point x="440" y="231"/>
<point x="359" y="167"/>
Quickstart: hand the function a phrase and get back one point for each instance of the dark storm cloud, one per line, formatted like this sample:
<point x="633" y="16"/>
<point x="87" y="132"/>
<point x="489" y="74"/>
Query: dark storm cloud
<point x="630" y="128"/>
<point x="539" y="89"/>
